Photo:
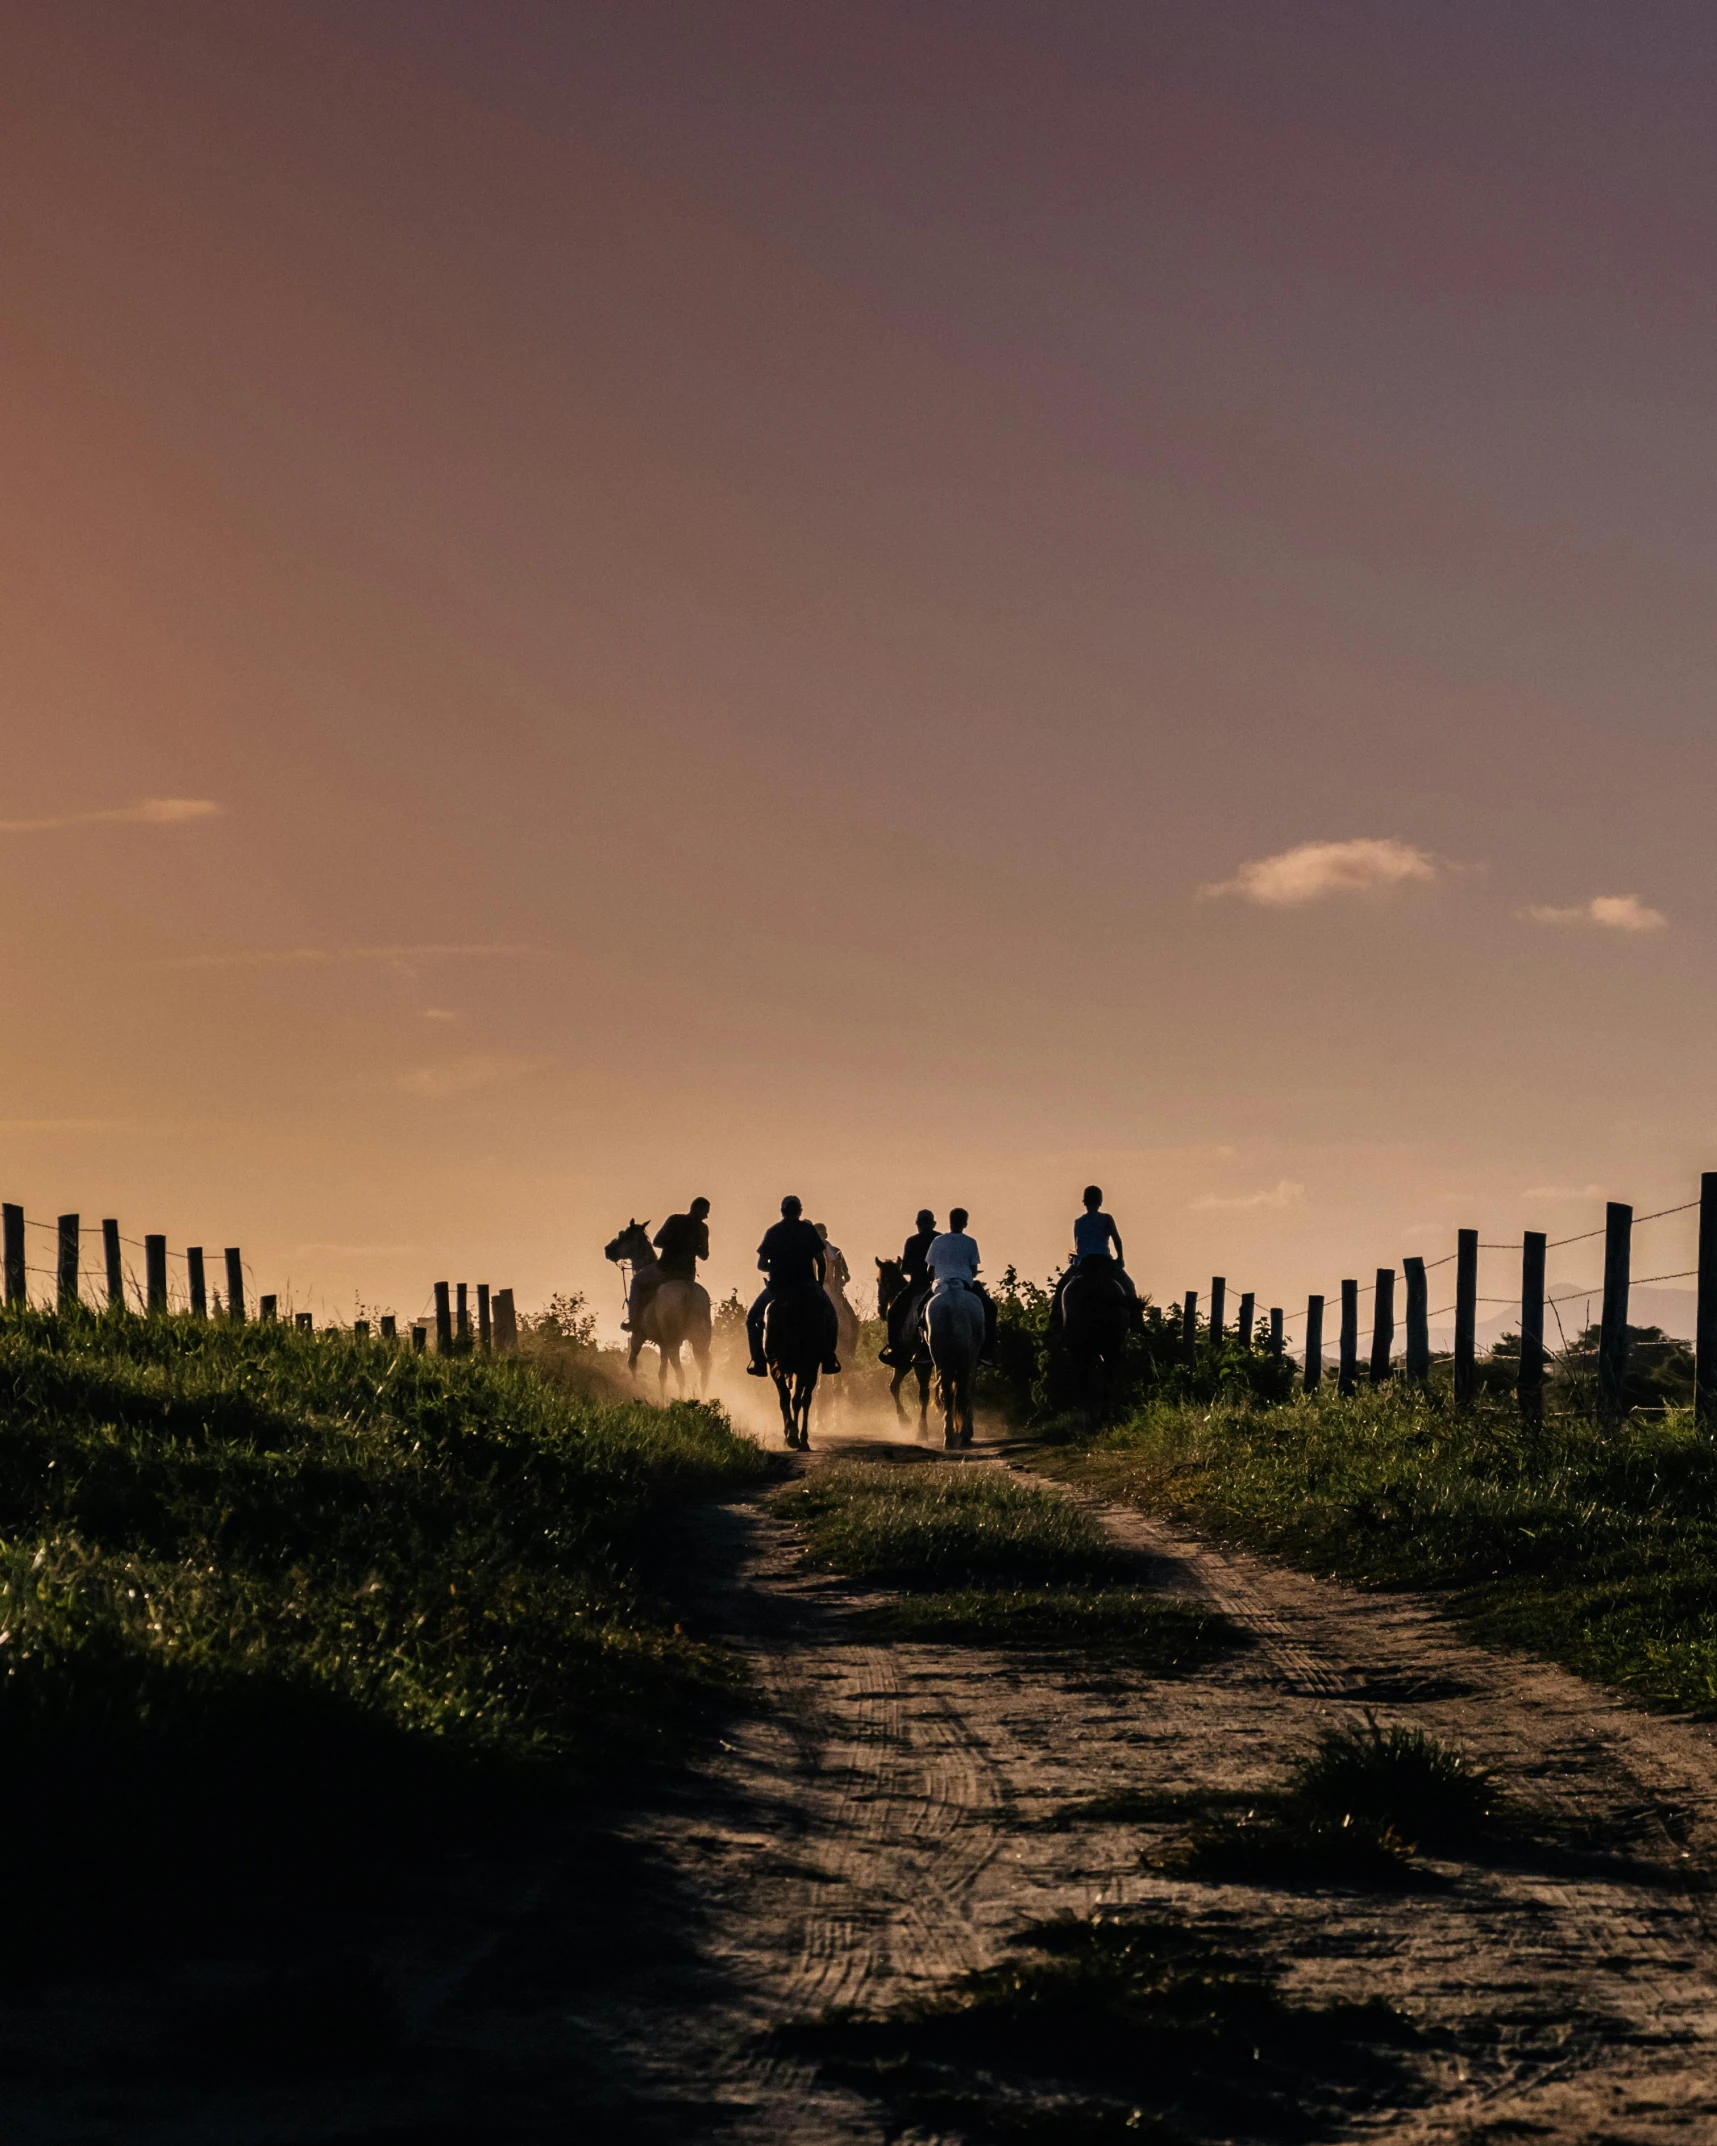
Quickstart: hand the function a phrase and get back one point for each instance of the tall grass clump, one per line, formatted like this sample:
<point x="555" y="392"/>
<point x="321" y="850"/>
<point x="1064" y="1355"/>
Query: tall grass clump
<point x="1593" y="1545"/>
<point x="279" y="1610"/>
<point x="928" y="1525"/>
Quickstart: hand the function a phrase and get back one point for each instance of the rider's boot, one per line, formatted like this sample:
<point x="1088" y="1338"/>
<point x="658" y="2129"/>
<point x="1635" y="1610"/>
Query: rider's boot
<point x="756" y="1370"/>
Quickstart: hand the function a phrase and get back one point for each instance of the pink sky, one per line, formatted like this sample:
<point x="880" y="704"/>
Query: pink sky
<point x="737" y="574"/>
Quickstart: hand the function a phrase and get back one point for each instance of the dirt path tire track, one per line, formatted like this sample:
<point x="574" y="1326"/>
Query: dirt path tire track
<point x="869" y="1830"/>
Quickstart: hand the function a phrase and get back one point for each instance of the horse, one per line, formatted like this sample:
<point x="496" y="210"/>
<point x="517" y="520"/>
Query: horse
<point x="1095" y="1317"/>
<point x="668" y="1313"/>
<point x="890" y="1284"/>
<point x="954" y="1320"/>
<point x="795" y="1335"/>
<point x="836" y="1275"/>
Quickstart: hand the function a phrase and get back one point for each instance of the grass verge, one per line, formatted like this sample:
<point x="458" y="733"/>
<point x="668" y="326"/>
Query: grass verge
<point x="1124" y="2025"/>
<point x="1152" y="1633"/>
<point x="283" y="1615"/>
<point x="930" y="1524"/>
<point x="1596" y="1548"/>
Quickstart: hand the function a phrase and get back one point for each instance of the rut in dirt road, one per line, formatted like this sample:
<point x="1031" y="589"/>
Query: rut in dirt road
<point x="876" y="1828"/>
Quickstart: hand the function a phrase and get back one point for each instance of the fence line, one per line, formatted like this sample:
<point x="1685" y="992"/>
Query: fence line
<point x="156" y="1295"/>
<point x="1612" y="1349"/>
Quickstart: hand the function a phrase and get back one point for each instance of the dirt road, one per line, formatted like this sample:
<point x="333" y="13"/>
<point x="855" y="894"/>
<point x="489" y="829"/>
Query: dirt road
<point x="874" y="1829"/>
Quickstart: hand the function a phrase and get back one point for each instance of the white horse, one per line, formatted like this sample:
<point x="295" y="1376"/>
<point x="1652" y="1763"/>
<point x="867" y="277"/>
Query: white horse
<point x="955" y="1322"/>
<point x="836" y="1275"/>
<point x="670" y="1314"/>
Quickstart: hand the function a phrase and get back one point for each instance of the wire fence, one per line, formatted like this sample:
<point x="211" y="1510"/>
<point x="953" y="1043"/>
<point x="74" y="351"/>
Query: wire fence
<point x="1608" y="1344"/>
<point x="94" y="1272"/>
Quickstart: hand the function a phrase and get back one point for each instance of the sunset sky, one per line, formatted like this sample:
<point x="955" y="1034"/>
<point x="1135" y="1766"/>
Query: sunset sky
<point x="908" y="603"/>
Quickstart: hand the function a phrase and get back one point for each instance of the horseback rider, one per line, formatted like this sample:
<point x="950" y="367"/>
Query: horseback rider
<point x="791" y="1255"/>
<point x="953" y="1264"/>
<point x="682" y="1241"/>
<point x="914" y="1284"/>
<point x="1093" y="1233"/>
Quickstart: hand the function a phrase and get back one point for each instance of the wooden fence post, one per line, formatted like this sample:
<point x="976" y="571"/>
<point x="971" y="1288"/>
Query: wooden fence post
<point x="1348" y="1376"/>
<point x="1466" y="1314"/>
<point x="1189" y="1330"/>
<point x="1418" y="1321"/>
<point x="1383" y="1326"/>
<point x="360" y="1330"/>
<point x="464" y="1320"/>
<point x="485" y="1327"/>
<point x="1314" y="1371"/>
<point x="115" y="1266"/>
<point x="506" y="1322"/>
<point x="17" y="1265"/>
<point x="1276" y="1331"/>
<point x="1243" y="1326"/>
<point x="268" y="1308"/>
<point x="199" y="1286"/>
<point x="419" y="1339"/>
<point x="1613" y="1334"/>
<point x="1705" y="1324"/>
<point x="443" y="1321"/>
<point x="68" y="1274"/>
<point x="155" y="1271"/>
<point x="304" y="1322"/>
<point x="1532" y="1326"/>
<point x="1218" y="1309"/>
<point x="390" y="1327"/>
<point x="235" y="1282"/>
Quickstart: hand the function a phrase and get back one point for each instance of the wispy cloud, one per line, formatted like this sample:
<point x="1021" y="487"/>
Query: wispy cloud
<point x="147" y="812"/>
<point x="1312" y="871"/>
<point x="1283" y="1194"/>
<point x="1563" y="1192"/>
<point x="359" y="1251"/>
<point x="468" y="1075"/>
<point x="312" y="957"/>
<point x="1612" y="912"/>
<point x="60" y="1125"/>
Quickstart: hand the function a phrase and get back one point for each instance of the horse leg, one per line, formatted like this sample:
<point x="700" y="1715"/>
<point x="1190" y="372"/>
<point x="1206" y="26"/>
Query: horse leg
<point x="966" y="1384"/>
<point x="784" y="1394"/>
<point x="701" y="1358"/>
<point x="923" y="1397"/>
<point x="894" y="1386"/>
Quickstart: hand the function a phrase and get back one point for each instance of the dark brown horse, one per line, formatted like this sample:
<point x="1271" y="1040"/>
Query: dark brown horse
<point x="911" y="1347"/>
<point x="1095" y="1317"/>
<point x="795" y="1341"/>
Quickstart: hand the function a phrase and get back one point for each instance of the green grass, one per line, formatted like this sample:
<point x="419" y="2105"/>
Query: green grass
<point x="281" y="1614"/>
<point x="1153" y="1633"/>
<point x="1355" y="1812"/>
<point x="1124" y="2025"/>
<point x="936" y="1525"/>
<point x="1593" y="1547"/>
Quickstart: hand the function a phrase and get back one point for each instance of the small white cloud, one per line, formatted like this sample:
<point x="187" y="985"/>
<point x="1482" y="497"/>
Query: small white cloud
<point x="437" y="1013"/>
<point x="147" y="812"/>
<point x="1284" y="1194"/>
<point x="468" y="1075"/>
<point x="1614" y="912"/>
<point x="1314" y="870"/>
<point x="1563" y="1192"/>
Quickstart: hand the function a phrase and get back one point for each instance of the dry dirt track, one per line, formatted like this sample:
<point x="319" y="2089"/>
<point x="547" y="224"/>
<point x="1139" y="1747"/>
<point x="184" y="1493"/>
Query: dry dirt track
<point x="871" y="1829"/>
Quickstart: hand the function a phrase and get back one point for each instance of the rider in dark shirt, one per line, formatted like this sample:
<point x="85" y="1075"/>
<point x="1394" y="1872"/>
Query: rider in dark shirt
<point x="791" y="1254"/>
<point x="682" y="1241"/>
<point x="914" y="1281"/>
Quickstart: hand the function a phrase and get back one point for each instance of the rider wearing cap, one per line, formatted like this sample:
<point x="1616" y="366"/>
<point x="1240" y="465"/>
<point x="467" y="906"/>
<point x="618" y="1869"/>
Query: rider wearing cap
<point x="914" y="1281"/>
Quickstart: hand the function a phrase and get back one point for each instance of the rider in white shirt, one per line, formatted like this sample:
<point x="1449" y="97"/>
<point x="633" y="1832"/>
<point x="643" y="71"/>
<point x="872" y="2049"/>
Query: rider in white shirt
<point x="953" y="1262"/>
<point x="953" y="1257"/>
